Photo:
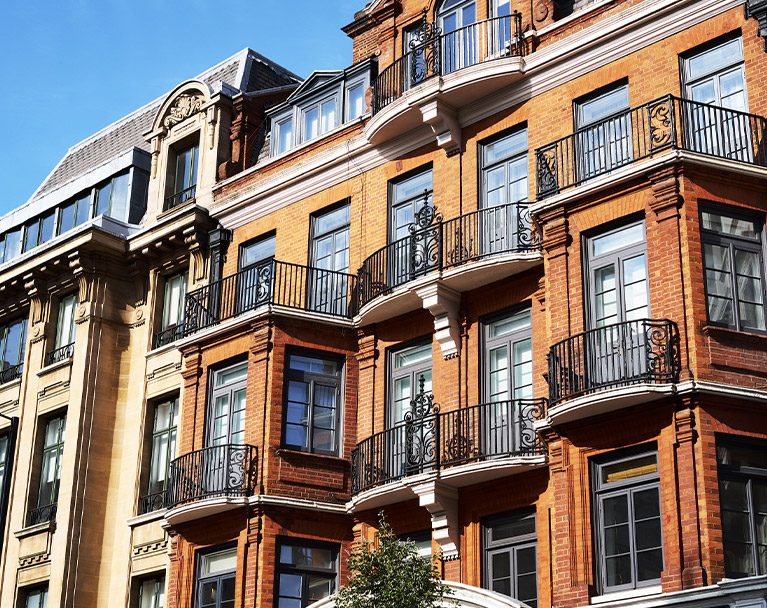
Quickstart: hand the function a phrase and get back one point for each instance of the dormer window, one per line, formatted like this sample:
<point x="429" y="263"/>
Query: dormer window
<point x="183" y="181"/>
<point x="322" y="103"/>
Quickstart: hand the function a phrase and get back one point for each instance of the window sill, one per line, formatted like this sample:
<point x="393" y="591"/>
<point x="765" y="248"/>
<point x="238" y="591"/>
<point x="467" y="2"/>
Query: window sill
<point x="289" y="454"/>
<point x="48" y="526"/>
<point x="729" y="334"/>
<point x="628" y="594"/>
<point x="54" y="366"/>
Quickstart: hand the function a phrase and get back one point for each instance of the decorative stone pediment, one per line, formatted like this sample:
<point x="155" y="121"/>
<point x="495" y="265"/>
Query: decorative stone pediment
<point x="184" y="106"/>
<point x="186" y="100"/>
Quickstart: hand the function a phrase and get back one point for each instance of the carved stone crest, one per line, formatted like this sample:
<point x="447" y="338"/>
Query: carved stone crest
<point x="184" y="106"/>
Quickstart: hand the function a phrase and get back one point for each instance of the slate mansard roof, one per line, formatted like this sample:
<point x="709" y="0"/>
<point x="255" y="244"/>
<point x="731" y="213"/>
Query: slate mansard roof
<point x="246" y="71"/>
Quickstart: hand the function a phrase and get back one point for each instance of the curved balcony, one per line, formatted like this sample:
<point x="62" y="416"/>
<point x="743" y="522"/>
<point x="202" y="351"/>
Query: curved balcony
<point x="455" y="68"/>
<point x="210" y="480"/>
<point x="282" y="284"/>
<point x="643" y="354"/>
<point x="645" y="131"/>
<point x="464" y="446"/>
<point x="468" y="251"/>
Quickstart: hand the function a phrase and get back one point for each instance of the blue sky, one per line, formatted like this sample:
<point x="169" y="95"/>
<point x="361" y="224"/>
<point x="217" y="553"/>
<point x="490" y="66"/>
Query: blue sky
<point x="72" y="67"/>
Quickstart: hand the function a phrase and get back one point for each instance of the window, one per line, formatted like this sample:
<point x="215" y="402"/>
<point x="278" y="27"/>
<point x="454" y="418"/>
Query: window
<point x="12" y="244"/>
<point x="716" y="77"/>
<point x="323" y="102"/>
<point x="421" y="540"/>
<point x="603" y="133"/>
<point x="409" y="373"/>
<point x="406" y="198"/>
<point x="36" y="598"/>
<point x="256" y="261"/>
<point x="618" y="276"/>
<point x="743" y="500"/>
<point x="460" y="46"/>
<point x="76" y="212"/>
<point x="12" y="344"/>
<point x="112" y="197"/>
<point x="283" y="135"/>
<point x="226" y="420"/>
<point x="64" y="345"/>
<point x="318" y="117"/>
<point x="628" y="535"/>
<point x="39" y="230"/>
<point x="164" y="423"/>
<point x="313" y="402"/>
<point x="151" y="592"/>
<point x="504" y="182"/>
<point x="306" y="573"/>
<point x="3" y="460"/>
<point x="508" y="370"/>
<point x="172" y="310"/>
<point x="216" y="573"/>
<point x="50" y="472"/>
<point x="732" y="257"/>
<point x="330" y="261"/>
<point x="183" y="180"/>
<point x="511" y="563"/>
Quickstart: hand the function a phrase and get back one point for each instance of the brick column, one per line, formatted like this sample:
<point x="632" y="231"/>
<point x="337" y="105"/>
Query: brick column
<point x="693" y="574"/>
<point x="366" y="357"/>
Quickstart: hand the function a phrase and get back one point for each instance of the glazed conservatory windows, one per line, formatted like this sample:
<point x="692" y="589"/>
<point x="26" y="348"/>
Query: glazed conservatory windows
<point x="628" y="534"/>
<point x="743" y="501"/>
<point x="734" y="269"/>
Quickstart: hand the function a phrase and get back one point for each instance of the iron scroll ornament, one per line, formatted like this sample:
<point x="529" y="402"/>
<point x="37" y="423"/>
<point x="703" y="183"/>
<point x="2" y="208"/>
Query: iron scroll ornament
<point x="425" y="238"/>
<point x="660" y="120"/>
<point x="424" y="51"/>
<point x="421" y="431"/>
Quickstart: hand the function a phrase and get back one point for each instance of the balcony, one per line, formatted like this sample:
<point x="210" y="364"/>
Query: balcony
<point x="9" y="373"/>
<point x="668" y="123"/>
<point x="168" y="335"/>
<point x="282" y="284"/>
<point x="183" y="196"/>
<point x="210" y="480"/>
<point x="429" y="441"/>
<point x="153" y="502"/>
<point x="642" y="354"/>
<point x="41" y="515"/>
<point x="467" y="251"/>
<point x="60" y="354"/>
<point x="453" y="69"/>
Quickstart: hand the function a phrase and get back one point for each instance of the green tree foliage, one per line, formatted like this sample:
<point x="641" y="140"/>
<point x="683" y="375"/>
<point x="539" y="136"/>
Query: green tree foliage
<point x="391" y="574"/>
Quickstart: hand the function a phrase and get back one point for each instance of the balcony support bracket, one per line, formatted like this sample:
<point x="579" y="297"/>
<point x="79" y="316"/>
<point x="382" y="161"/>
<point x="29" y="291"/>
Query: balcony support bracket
<point x="444" y="122"/>
<point x="443" y="302"/>
<point x="442" y="504"/>
<point x="758" y="10"/>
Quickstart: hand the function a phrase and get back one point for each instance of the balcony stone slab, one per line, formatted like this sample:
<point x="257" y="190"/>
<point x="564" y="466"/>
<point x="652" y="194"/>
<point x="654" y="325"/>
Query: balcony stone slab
<point x="438" y="101"/>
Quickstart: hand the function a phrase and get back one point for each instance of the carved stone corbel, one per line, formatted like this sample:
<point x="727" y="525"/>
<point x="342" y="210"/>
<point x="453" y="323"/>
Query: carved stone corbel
<point x="83" y="273"/>
<point x="444" y="122"/>
<point x="443" y="302"/>
<point x="39" y="304"/>
<point x="196" y="241"/>
<point x="442" y="504"/>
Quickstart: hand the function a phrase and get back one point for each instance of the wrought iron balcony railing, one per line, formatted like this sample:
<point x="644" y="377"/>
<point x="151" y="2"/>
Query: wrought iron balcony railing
<point x="429" y="440"/>
<point x="270" y="282"/>
<point x="153" y="502"/>
<point x="60" y="354"/>
<point x="433" y="53"/>
<point x="41" y="515"/>
<point x="168" y="335"/>
<point x="641" y="132"/>
<point x="221" y="470"/>
<point x="434" y="244"/>
<point x="9" y="373"/>
<point x="174" y="200"/>
<point x="621" y="354"/>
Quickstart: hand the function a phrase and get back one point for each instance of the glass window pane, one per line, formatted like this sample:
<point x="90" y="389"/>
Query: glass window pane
<point x="219" y="562"/>
<point x="102" y="198"/>
<point x="83" y="209"/>
<point x="261" y="250"/>
<point x="119" y="207"/>
<point x="31" y="235"/>
<point x="414" y="354"/>
<point x="12" y="244"/>
<point x="356" y="101"/>
<point x="714" y="59"/>
<point x="618" y="240"/>
<point x="66" y="218"/>
<point x="284" y="136"/>
<point x="47" y="227"/>
<point x="510" y="324"/>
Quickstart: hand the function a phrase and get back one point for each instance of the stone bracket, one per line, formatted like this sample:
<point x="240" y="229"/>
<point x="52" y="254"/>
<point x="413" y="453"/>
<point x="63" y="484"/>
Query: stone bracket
<point x="444" y="122"/>
<point x="758" y="10"/>
<point x="443" y="302"/>
<point x="442" y="504"/>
